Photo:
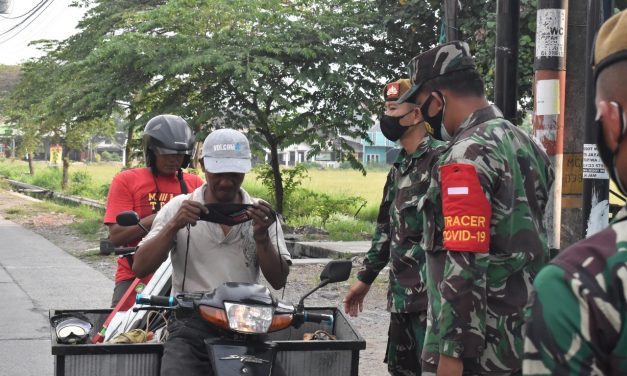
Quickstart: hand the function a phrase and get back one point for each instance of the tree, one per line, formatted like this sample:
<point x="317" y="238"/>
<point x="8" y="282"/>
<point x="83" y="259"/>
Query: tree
<point x="415" y="25"/>
<point x="284" y="71"/>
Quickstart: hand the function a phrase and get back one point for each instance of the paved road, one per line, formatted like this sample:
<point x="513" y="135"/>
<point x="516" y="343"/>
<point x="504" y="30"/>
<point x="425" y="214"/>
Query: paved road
<point x="36" y="276"/>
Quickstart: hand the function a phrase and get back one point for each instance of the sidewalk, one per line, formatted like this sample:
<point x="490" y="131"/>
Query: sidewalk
<point x="36" y="276"/>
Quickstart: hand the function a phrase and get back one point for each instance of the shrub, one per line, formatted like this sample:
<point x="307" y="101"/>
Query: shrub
<point x="368" y="213"/>
<point x="103" y="191"/>
<point x="49" y="177"/>
<point x="346" y="228"/>
<point x="110" y="157"/>
<point x="292" y="178"/>
<point x="80" y="183"/>
<point x="305" y="203"/>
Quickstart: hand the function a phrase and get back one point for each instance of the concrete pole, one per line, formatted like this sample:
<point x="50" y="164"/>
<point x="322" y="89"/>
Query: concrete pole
<point x="574" y="123"/>
<point x="450" y="15"/>
<point x="549" y="98"/>
<point x="506" y="65"/>
<point x="596" y="182"/>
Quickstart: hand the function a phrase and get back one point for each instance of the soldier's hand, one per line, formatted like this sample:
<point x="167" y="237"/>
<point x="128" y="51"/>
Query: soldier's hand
<point x="354" y="299"/>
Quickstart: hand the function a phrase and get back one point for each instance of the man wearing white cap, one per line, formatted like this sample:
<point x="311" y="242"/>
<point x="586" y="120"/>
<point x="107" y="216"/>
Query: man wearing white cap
<point x="210" y="247"/>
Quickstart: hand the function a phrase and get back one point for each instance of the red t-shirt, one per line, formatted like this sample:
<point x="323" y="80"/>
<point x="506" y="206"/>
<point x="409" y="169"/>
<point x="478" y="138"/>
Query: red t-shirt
<point x="136" y="190"/>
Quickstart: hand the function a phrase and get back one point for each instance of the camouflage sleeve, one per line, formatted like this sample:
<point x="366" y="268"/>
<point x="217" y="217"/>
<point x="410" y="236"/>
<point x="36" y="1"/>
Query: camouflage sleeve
<point x="379" y="253"/>
<point x="466" y="188"/>
<point x="463" y="308"/>
<point x="556" y="340"/>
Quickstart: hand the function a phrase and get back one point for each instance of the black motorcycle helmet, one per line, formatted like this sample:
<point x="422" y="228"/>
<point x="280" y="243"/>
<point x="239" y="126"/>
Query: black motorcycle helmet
<point x="167" y="134"/>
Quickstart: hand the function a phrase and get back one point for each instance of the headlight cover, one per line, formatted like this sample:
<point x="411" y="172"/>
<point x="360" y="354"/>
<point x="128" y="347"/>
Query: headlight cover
<point x="248" y="319"/>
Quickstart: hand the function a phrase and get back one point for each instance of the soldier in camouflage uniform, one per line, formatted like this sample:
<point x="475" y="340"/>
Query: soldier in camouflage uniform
<point x="398" y="234"/>
<point x="484" y="234"/>
<point x="577" y="323"/>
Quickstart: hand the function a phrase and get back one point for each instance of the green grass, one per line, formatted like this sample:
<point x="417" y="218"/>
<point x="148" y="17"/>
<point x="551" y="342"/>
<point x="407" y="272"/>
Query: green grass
<point x="347" y="183"/>
<point x="92" y="181"/>
<point x="90" y="224"/>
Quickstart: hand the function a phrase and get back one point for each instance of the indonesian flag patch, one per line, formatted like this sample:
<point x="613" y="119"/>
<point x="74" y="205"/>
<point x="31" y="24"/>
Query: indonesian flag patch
<point x="467" y="212"/>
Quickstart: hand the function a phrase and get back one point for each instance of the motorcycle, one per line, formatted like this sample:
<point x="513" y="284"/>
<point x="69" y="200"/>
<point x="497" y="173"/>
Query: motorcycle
<point x="244" y="314"/>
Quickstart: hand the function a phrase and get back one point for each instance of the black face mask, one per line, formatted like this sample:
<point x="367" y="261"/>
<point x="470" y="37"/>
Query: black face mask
<point x="226" y="214"/>
<point x="435" y="122"/>
<point x="609" y="156"/>
<point x="391" y="126"/>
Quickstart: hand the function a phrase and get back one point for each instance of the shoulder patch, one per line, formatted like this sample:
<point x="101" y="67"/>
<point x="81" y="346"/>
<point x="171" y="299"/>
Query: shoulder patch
<point x="467" y="212"/>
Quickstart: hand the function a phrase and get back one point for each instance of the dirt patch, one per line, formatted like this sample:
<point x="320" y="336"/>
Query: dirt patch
<point x="372" y="324"/>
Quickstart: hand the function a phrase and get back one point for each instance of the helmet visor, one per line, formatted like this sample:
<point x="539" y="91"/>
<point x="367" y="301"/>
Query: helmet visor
<point x="166" y="151"/>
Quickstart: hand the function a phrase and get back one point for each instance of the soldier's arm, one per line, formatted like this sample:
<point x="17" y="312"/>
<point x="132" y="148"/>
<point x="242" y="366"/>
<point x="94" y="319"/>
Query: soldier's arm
<point x="466" y="236"/>
<point x="557" y="339"/>
<point x="379" y="253"/>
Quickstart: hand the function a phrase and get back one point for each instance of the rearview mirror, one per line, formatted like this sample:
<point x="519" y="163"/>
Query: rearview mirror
<point x="127" y="218"/>
<point x="336" y="271"/>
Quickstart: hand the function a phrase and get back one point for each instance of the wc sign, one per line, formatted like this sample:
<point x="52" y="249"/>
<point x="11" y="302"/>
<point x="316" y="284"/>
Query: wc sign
<point x="551" y="33"/>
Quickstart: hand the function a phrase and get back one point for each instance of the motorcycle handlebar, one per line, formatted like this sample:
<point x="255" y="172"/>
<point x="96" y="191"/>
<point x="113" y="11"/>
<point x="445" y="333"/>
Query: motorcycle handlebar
<point x="156" y="300"/>
<point x="317" y="317"/>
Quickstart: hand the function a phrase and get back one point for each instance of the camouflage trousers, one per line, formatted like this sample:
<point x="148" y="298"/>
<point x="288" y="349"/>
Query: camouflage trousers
<point x="431" y="370"/>
<point x="405" y="339"/>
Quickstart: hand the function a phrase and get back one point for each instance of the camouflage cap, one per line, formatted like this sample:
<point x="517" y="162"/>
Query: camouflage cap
<point x="438" y="61"/>
<point x="611" y="42"/>
<point x="394" y="90"/>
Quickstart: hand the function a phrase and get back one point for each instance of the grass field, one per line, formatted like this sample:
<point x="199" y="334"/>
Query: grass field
<point x="348" y="223"/>
<point x="331" y="181"/>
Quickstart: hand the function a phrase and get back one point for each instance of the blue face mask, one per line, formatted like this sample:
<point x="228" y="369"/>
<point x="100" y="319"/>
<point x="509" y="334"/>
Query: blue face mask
<point x="438" y="131"/>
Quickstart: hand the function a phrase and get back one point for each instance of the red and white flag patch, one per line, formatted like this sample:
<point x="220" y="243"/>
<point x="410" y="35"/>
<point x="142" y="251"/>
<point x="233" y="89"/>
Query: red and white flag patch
<point x="467" y="212"/>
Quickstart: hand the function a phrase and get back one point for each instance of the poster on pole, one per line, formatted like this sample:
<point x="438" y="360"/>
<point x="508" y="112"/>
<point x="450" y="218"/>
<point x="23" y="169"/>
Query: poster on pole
<point x="593" y="167"/>
<point x="56" y="153"/>
<point x="551" y="33"/>
<point x="548" y="97"/>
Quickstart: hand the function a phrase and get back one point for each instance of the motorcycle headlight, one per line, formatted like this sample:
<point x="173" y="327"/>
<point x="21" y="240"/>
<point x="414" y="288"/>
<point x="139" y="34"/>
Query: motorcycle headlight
<point x="248" y="319"/>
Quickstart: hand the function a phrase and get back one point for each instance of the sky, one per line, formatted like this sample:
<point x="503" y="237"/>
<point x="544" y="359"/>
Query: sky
<point x="54" y="20"/>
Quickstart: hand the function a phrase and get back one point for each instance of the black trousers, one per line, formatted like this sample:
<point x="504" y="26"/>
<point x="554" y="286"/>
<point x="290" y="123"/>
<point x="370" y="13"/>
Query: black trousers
<point x="184" y="351"/>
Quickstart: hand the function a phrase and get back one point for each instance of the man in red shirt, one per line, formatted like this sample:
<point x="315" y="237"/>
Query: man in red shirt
<point x="168" y="147"/>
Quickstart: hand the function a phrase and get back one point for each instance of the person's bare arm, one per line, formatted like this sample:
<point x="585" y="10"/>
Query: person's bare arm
<point x="449" y="366"/>
<point x="120" y="235"/>
<point x="154" y="250"/>
<point x="273" y="266"/>
<point x="354" y="299"/>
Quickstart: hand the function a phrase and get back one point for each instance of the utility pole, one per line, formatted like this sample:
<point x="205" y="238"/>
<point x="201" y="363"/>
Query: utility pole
<point x="451" y="9"/>
<point x="596" y="183"/>
<point x="549" y="96"/>
<point x="506" y="72"/>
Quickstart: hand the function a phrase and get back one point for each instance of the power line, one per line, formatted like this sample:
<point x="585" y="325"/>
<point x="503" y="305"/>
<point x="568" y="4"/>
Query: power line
<point x="38" y="6"/>
<point x="47" y="3"/>
<point x="22" y="15"/>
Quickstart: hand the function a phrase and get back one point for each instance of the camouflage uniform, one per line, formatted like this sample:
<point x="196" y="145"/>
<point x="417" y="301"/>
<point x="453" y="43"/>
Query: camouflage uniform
<point x="485" y="241"/>
<point x="577" y="322"/>
<point x="397" y="238"/>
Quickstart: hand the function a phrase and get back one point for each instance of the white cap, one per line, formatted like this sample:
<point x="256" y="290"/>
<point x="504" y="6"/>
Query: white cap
<point x="226" y="151"/>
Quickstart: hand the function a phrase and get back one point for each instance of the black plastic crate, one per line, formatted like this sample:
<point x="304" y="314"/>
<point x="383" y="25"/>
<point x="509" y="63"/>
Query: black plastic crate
<point x="297" y="357"/>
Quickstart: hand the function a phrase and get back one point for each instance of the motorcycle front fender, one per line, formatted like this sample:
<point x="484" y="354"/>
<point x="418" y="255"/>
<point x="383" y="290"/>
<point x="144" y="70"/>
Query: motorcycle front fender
<point x="233" y="358"/>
